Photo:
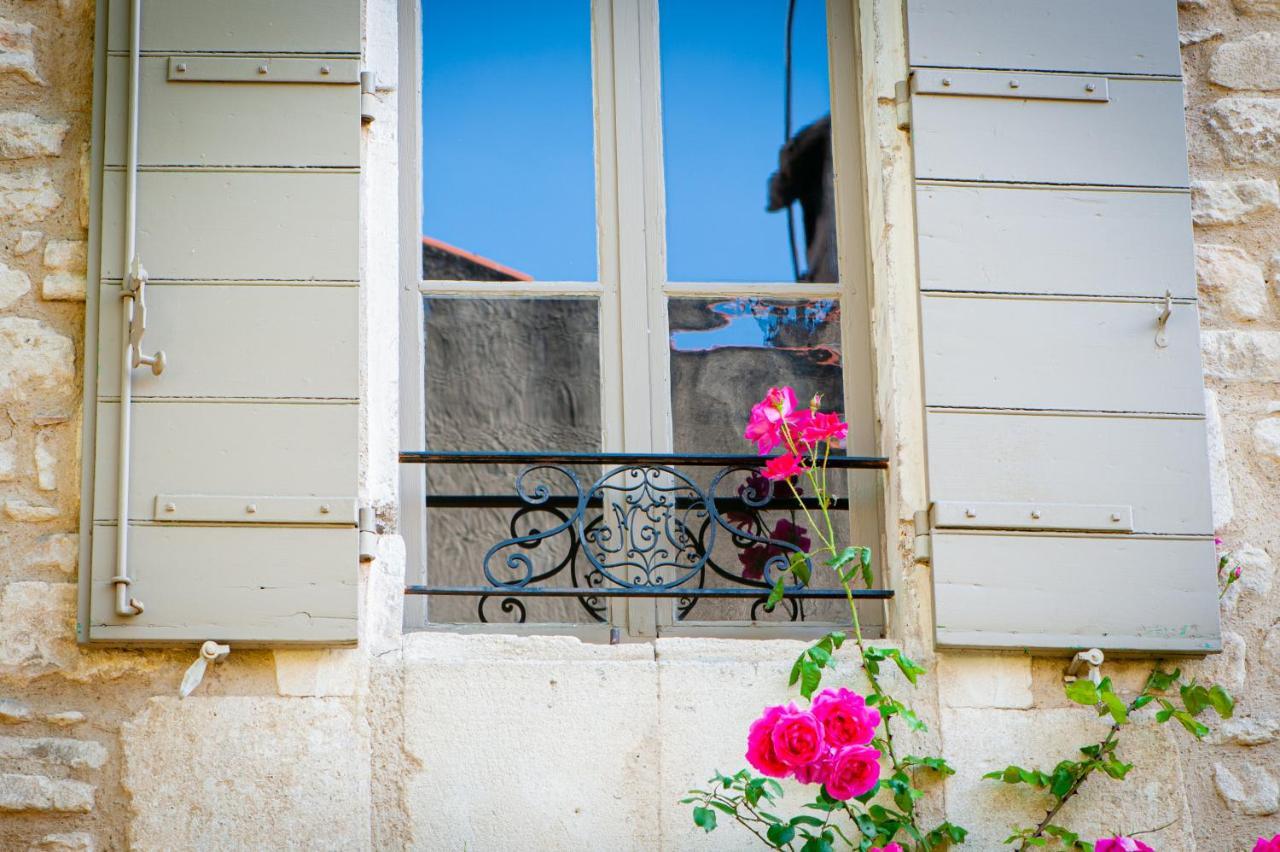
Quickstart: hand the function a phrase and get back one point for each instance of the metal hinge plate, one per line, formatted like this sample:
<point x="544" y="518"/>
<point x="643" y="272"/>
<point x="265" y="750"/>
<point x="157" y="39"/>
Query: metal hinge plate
<point x="1069" y="517"/>
<point x="1009" y="84"/>
<point x="201" y="508"/>
<point x="234" y="69"/>
<point x="923" y="542"/>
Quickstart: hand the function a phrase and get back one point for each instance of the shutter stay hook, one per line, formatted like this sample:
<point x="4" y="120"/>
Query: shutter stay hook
<point x="1162" y="321"/>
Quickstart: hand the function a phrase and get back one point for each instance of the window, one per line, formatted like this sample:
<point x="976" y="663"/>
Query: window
<point x="608" y="268"/>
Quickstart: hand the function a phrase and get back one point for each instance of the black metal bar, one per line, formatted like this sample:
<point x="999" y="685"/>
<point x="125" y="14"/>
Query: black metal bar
<point x="720" y="460"/>
<point x="511" y="501"/>
<point x="636" y="592"/>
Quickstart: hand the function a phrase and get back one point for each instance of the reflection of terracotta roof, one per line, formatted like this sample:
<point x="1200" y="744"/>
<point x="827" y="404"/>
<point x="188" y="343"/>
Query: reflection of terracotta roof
<point x="478" y="260"/>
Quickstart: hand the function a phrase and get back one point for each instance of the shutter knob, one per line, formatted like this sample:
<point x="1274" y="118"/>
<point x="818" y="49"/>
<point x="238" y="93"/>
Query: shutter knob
<point x="252" y="508"/>
<point x="324" y="509"/>
<point x="1013" y="84"/>
<point x="1035" y="513"/>
<point x="262" y="69"/>
<point x="970" y="513"/>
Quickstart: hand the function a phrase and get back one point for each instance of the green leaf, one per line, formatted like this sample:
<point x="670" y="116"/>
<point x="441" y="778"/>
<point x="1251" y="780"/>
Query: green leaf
<point x="1196" y="729"/>
<point x="780" y="835"/>
<point x="817" y="844"/>
<point x="805" y="819"/>
<point x="1162" y="680"/>
<point x="1082" y="691"/>
<point x="1142" y="701"/>
<point x="799" y="565"/>
<point x="1222" y="701"/>
<point x="810" y="678"/>
<point x="723" y="807"/>
<point x="1194" y="697"/>
<point x="820" y="655"/>
<point x="705" y="819"/>
<point x="1115" y="768"/>
<point x="776" y="594"/>
<point x="1116" y="707"/>
<point x="937" y="764"/>
<point x="1061" y="781"/>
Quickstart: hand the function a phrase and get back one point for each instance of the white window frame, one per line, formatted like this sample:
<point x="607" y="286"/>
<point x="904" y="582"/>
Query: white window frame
<point x="631" y="231"/>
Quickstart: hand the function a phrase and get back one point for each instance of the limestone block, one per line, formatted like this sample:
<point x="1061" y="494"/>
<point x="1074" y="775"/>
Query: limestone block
<point x="1193" y="4"/>
<point x="1186" y="38"/>
<point x="329" y="671"/>
<point x="984" y="680"/>
<point x="74" y="841"/>
<point x="14" y="712"/>
<point x="66" y="255"/>
<point x="63" y="287"/>
<point x="56" y="551"/>
<point x="65" y="718"/>
<point x="1241" y="356"/>
<point x="1256" y="572"/>
<point x="1227" y="668"/>
<point x="1247" y="129"/>
<point x="1246" y="732"/>
<point x="25" y="135"/>
<point x="979" y="741"/>
<point x="68" y="260"/>
<point x="9" y="459"/>
<point x="1266" y="438"/>
<point x="1271" y="648"/>
<point x="17" y="50"/>
<point x="1251" y="790"/>
<point x="245" y="769"/>
<point x="558" y="750"/>
<point x="1227" y="202"/>
<point x="62" y="751"/>
<point x="47" y="458"/>
<point x="28" y="196"/>
<point x="1230" y="283"/>
<point x="1257" y="7"/>
<point x="14" y="284"/>
<point x="34" y="359"/>
<point x="27" y="242"/>
<point x="37" y="627"/>
<point x="37" y="793"/>
<point x="28" y="513"/>
<point x="1252" y="62"/>
<point x="1219" y="472"/>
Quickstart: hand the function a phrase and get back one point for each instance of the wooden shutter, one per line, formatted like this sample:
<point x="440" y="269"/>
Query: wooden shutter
<point x="242" y="457"/>
<point x="1068" y="468"/>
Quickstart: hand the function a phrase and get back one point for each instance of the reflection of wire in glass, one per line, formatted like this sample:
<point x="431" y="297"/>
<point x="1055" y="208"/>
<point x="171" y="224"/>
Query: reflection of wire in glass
<point x="750" y="323"/>
<point x="786" y="135"/>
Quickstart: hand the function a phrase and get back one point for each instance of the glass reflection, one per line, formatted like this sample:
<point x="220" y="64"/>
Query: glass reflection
<point x="508" y="141"/>
<point x="732" y="156"/>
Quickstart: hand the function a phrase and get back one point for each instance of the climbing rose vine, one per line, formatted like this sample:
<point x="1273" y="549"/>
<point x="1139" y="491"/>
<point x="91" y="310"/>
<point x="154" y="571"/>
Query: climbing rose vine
<point x="845" y="747"/>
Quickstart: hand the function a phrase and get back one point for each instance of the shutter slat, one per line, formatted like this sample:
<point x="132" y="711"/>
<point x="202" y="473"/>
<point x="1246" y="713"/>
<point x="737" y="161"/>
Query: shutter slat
<point x="1091" y="355"/>
<point x="260" y="26"/>
<point x="1104" y="36"/>
<point x="1018" y="239"/>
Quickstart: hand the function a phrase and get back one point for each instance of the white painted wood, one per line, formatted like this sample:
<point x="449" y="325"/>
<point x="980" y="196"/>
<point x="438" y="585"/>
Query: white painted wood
<point x="254" y="509"/>
<point x="1078" y="354"/>
<point x="322" y="71"/>
<point x="1135" y="139"/>
<point x="1159" y="466"/>
<point x="276" y="26"/>
<point x="233" y="124"/>
<point x="229" y="448"/>
<point x="1014" y="84"/>
<point x="1104" y="36"/>
<point x="239" y="225"/>
<point x="1050" y="240"/>
<point x="241" y="340"/>
<point x="245" y="585"/>
<point x="1033" y="516"/>
<point x="1068" y="592"/>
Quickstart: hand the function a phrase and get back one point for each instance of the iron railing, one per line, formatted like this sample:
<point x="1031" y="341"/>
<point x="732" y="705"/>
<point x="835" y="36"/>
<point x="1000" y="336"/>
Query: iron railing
<point x="634" y="525"/>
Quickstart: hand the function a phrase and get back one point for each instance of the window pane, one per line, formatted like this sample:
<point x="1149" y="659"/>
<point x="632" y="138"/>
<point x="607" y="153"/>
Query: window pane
<point x="726" y="353"/>
<point x="508" y="150"/>
<point x="723" y="114"/>
<point x="506" y="374"/>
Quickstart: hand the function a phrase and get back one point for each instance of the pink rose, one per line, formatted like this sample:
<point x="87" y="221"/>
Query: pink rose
<point x="760" y="750"/>
<point x="783" y="467"/>
<point x="797" y="737"/>
<point x="1120" y="843"/>
<point x="1265" y="845"/>
<point x="845" y="717"/>
<point x="819" y="426"/>
<point x="767" y="417"/>
<point x="816" y="772"/>
<point x="892" y="847"/>
<point x="854" y="770"/>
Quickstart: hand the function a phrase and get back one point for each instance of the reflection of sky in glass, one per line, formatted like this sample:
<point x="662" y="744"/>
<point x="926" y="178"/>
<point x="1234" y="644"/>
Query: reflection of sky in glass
<point x="507" y="131"/>
<point x="752" y="324"/>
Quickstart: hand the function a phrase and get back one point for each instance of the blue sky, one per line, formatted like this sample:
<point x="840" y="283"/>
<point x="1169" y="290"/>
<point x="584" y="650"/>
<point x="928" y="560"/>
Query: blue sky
<point x="508" y="148"/>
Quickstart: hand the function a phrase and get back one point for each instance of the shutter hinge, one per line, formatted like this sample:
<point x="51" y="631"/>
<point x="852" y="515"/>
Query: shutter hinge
<point x="923" y="541"/>
<point x="368" y="96"/>
<point x="902" y="103"/>
<point x="368" y="533"/>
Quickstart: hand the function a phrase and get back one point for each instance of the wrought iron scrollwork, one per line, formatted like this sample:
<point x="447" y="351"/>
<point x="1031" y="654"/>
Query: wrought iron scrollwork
<point x="642" y="528"/>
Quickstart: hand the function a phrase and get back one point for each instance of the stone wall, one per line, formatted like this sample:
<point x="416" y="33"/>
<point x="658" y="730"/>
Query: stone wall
<point x="439" y="741"/>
